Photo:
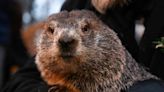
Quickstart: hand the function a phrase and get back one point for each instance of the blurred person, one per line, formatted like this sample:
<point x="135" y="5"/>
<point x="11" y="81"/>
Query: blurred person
<point x="12" y="47"/>
<point x="121" y="19"/>
<point x="149" y="55"/>
<point x="5" y="32"/>
<point x="4" y="40"/>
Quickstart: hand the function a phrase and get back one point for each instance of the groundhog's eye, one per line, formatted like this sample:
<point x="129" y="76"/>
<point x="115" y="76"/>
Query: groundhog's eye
<point x="85" y="28"/>
<point x="50" y="30"/>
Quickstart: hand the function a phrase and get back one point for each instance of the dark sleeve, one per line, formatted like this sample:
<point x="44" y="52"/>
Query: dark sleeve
<point x="77" y="5"/>
<point x="148" y="86"/>
<point x="143" y="8"/>
<point x="73" y="5"/>
<point x="26" y="79"/>
<point x="154" y="25"/>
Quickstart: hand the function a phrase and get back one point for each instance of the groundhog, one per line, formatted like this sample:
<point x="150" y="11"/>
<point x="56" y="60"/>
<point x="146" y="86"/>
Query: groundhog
<point x="77" y="52"/>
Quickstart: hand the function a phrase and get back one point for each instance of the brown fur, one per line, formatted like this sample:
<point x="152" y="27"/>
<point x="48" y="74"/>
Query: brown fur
<point x="29" y="34"/>
<point x="102" y="5"/>
<point x="98" y="62"/>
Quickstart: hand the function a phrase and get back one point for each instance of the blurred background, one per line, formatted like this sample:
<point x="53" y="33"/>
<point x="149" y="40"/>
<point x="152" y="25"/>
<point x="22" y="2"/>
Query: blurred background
<point x="20" y="22"/>
<point x="37" y="10"/>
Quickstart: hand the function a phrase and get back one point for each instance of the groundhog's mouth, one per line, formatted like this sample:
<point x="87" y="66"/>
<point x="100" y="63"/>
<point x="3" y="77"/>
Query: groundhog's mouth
<point x="67" y="55"/>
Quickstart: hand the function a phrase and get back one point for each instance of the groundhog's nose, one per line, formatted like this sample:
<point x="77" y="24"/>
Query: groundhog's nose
<point x="67" y="44"/>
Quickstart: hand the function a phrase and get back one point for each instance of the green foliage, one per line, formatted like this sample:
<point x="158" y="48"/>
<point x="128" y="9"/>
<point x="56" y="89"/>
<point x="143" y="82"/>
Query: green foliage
<point x="160" y="44"/>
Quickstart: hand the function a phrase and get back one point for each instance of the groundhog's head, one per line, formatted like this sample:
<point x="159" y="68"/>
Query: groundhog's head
<point x="74" y="41"/>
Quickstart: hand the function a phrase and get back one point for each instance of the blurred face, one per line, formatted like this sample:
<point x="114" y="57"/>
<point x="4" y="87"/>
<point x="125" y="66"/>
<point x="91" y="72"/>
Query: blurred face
<point x="102" y="5"/>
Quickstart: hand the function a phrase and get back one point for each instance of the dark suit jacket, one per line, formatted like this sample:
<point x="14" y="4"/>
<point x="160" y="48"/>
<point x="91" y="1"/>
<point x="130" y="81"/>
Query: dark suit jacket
<point x="149" y="55"/>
